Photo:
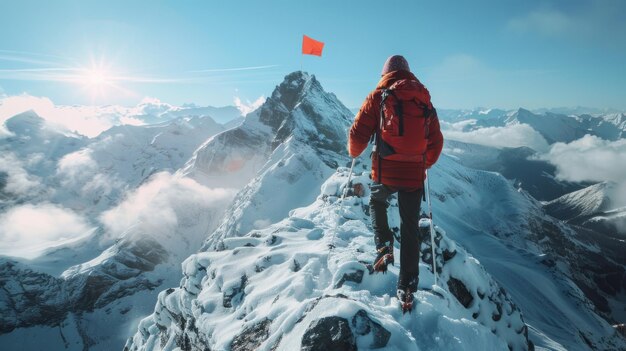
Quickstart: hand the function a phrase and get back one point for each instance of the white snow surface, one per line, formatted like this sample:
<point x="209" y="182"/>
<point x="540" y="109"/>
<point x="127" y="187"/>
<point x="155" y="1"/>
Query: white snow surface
<point x="287" y="274"/>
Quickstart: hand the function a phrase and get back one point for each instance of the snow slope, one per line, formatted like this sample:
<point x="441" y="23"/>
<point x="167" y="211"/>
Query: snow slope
<point x="546" y="267"/>
<point x="280" y="287"/>
<point x="592" y="207"/>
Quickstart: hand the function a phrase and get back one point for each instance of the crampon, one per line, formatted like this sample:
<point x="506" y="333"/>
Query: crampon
<point x="383" y="259"/>
<point x="406" y="300"/>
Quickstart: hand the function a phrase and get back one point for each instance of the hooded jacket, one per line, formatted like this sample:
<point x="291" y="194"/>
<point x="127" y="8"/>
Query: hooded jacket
<point x="396" y="174"/>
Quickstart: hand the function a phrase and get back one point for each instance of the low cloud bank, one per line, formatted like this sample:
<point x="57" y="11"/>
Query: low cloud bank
<point x="14" y="178"/>
<point x="28" y="230"/>
<point x="516" y="135"/>
<point x="591" y="159"/>
<point x="159" y="205"/>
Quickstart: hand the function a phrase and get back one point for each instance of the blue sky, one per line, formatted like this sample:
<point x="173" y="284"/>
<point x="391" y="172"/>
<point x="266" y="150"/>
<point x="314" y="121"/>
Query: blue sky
<point x="501" y="53"/>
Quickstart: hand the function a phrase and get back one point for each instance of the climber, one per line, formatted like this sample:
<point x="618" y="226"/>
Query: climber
<point x="401" y="120"/>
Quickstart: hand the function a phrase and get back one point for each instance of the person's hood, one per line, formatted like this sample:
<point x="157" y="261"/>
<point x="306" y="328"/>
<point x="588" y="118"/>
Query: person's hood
<point x="388" y="79"/>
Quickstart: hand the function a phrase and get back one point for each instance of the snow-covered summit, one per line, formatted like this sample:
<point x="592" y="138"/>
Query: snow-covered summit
<point x="300" y="106"/>
<point x="293" y="142"/>
<point x="30" y="133"/>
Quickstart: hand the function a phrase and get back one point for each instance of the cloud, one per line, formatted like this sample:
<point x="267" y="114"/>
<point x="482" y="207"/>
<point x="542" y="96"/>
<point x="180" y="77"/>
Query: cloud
<point x="79" y="171"/>
<point x="160" y="204"/>
<point x="76" y="166"/>
<point x="132" y="121"/>
<point x="460" y="67"/>
<point x="598" y="22"/>
<point x="516" y="135"/>
<point x="28" y="230"/>
<point x="216" y="70"/>
<point x="247" y="107"/>
<point x="545" y="21"/>
<point x="591" y="159"/>
<point x="17" y="180"/>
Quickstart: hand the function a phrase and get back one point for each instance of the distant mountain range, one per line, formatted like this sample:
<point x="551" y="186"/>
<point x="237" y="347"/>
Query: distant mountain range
<point x="230" y="247"/>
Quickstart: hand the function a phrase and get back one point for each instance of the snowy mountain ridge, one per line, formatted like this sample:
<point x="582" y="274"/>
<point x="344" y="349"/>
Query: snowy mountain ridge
<point x="558" y="127"/>
<point x="280" y="288"/>
<point x="272" y="240"/>
<point x="596" y="207"/>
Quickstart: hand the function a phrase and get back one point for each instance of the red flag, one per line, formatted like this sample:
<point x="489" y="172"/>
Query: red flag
<point x="311" y="46"/>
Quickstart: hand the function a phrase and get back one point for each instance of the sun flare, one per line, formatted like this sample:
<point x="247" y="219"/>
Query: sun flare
<point x="96" y="77"/>
<point x="96" y="80"/>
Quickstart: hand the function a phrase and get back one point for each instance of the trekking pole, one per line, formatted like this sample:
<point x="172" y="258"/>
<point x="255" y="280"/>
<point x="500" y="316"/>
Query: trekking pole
<point x="345" y="191"/>
<point x="432" y="232"/>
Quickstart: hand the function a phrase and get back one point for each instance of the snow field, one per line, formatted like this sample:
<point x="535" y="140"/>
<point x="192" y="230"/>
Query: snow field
<point x="284" y="274"/>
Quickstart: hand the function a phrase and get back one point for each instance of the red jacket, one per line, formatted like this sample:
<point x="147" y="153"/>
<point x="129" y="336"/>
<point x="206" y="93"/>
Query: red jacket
<point x="396" y="174"/>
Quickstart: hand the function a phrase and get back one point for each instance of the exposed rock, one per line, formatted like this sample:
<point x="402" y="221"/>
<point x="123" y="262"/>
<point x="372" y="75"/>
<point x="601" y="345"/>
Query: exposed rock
<point x="460" y="291"/>
<point x="621" y="328"/>
<point x="356" y="276"/>
<point x="363" y="325"/>
<point x="251" y="337"/>
<point x="230" y="295"/>
<point x="329" y="333"/>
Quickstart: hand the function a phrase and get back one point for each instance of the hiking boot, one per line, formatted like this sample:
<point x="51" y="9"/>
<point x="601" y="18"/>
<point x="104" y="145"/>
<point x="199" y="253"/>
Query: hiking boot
<point x="384" y="257"/>
<point x="406" y="300"/>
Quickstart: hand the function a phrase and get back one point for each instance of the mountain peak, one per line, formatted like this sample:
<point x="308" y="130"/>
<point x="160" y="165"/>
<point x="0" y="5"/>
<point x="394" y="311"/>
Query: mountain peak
<point x="25" y="121"/>
<point x="294" y="87"/>
<point x="300" y="106"/>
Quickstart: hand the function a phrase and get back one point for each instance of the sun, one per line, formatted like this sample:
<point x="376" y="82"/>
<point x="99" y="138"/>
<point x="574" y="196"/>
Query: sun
<point x="97" y="81"/>
<point x="96" y="77"/>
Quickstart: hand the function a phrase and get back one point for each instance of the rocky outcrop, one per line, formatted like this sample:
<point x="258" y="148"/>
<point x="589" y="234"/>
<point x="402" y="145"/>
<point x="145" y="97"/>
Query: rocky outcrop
<point x="328" y="333"/>
<point x="33" y="298"/>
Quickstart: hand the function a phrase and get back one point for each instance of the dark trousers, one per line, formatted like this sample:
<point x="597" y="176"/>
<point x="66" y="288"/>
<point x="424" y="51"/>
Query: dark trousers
<point x="410" y="241"/>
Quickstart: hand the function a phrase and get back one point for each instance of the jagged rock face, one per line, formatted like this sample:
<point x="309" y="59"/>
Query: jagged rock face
<point x="301" y="103"/>
<point x="328" y="333"/>
<point x="252" y="337"/>
<point x="298" y="109"/>
<point x="293" y="142"/>
<point x="32" y="298"/>
<point x="28" y="298"/>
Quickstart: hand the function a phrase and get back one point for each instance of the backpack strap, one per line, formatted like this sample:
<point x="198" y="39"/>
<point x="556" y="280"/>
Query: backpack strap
<point x="381" y="124"/>
<point x="399" y="109"/>
<point x="429" y="111"/>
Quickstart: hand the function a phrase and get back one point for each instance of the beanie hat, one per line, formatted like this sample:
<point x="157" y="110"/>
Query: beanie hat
<point x="395" y="63"/>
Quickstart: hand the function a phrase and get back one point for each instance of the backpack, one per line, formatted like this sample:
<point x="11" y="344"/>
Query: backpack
<point x="403" y="129"/>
